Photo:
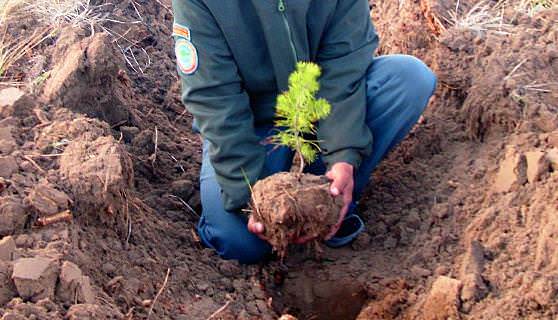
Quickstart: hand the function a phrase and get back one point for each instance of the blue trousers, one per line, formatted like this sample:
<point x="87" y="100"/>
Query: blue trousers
<point x="398" y="90"/>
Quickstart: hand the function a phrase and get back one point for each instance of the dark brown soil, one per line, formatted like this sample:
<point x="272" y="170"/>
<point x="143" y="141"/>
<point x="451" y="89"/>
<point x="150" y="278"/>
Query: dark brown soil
<point x="462" y="216"/>
<point x="293" y="206"/>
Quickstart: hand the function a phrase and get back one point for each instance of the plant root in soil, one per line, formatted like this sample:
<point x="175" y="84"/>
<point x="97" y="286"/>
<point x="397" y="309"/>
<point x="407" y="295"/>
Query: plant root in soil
<point x="293" y="206"/>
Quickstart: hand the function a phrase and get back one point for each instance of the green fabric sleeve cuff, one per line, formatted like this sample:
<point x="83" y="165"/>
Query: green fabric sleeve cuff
<point x="349" y="156"/>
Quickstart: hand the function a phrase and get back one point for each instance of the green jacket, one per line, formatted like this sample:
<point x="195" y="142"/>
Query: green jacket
<point x="235" y="56"/>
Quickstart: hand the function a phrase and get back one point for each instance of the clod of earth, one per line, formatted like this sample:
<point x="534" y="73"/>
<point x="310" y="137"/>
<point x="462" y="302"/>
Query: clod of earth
<point x="14" y="102"/>
<point x="35" y="278"/>
<point x="8" y="165"/>
<point x="7" y="289"/>
<point x="12" y="215"/>
<point x="291" y="206"/>
<point x="7" y="248"/>
<point x="443" y="300"/>
<point x="46" y="200"/>
<point x="89" y="70"/>
<point x="74" y="286"/>
<point x="7" y="142"/>
<point x="91" y="312"/>
<point x="60" y="133"/>
<point x="552" y="157"/>
<point x="98" y="173"/>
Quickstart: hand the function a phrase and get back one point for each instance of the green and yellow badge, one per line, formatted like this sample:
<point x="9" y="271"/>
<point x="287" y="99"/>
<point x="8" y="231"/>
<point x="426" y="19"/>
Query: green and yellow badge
<point x="187" y="56"/>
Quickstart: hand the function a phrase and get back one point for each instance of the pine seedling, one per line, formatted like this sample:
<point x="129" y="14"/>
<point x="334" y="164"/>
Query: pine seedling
<point x="297" y="112"/>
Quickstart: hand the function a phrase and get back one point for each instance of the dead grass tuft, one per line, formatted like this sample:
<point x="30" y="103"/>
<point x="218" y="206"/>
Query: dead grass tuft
<point x="77" y="13"/>
<point x="11" y="50"/>
<point x="531" y="7"/>
<point x="481" y="17"/>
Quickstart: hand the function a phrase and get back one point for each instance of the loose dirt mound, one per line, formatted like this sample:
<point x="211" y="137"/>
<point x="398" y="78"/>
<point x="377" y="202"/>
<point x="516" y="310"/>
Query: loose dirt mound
<point x="87" y="78"/>
<point x="99" y="174"/>
<point x="292" y="206"/>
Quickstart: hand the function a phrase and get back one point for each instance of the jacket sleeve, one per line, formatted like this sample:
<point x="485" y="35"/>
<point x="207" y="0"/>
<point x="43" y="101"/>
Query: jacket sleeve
<point x="214" y="95"/>
<point x="345" y="53"/>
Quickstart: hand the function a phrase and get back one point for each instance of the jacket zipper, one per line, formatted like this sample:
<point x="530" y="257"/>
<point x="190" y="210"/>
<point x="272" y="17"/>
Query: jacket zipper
<point x="281" y="7"/>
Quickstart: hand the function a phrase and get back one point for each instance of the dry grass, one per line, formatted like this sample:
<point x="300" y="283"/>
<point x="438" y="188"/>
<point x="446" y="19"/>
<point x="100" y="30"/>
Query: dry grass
<point x="11" y="50"/>
<point x="77" y="13"/>
<point x="531" y="7"/>
<point x="487" y="15"/>
<point x="481" y="17"/>
<point x="8" y="8"/>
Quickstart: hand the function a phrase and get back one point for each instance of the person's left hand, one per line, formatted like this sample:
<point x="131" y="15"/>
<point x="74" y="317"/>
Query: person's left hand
<point x="342" y="184"/>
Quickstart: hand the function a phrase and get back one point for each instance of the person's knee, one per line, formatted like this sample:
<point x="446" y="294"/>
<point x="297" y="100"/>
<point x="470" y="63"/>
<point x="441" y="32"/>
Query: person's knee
<point x="416" y="79"/>
<point x="246" y="248"/>
<point x="236" y="244"/>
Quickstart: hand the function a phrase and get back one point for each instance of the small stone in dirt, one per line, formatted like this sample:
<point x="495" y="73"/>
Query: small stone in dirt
<point x="109" y="268"/>
<point x="35" y="278"/>
<point x="8" y="165"/>
<point x="7" y="143"/>
<point x="31" y="311"/>
<point x="262" y="306"/>
<point x="361" y="242"/>
<point x="443" y="300"/>
<point x="287" y="317"/>
<point x="390" y="243"/>
<point x="13" y="316"/>
<point x="85" y="312"/>
<point x="7" y="289"/>
<point x="14" y="102"/>
<point x="507" y="176"/>
<point x="74" y="286"/>
<point x="535" y="165"/>
<point x="552" y="156"/>
<point x="6" y="132"/>
<point x="421" y="272"/>
<point x="24" y="241"/>
<point x="442" y="210"/>
<point x="10" y="96"/>
<point x="229" y="268"/>
<point x="46" y="200"/>
<point x="182" y="189"/>
<point x="48" y="304"/>
<point x="252" y="308"/>
<point x="441" y="270"/>
<point x="129" y="133"/>
<point x="553" y="139"/>
<point x="12" y="216"/>
<point x="7" y="248"/>
<point x="474" y="259"/>
<point x="474" y="288"/>
<point x="544" y="292"/>
<point x="204" y="286"/>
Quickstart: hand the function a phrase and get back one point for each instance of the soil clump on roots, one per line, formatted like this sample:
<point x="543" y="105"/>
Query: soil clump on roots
<point x="292" y="206"/>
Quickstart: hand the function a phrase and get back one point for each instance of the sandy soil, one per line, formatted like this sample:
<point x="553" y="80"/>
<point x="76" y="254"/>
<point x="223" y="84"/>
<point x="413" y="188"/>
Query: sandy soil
<point x="99" y="193"/>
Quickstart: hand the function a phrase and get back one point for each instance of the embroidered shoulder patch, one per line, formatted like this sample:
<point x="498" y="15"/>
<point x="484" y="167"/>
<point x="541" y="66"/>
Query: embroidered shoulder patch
<point x="186" y="56"/>
<point x="181" y="31"/>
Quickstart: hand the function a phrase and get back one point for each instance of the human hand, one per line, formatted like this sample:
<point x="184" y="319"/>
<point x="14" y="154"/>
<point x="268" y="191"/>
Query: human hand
<point x="256" y="228"/>
<point x="342" y="184"/>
